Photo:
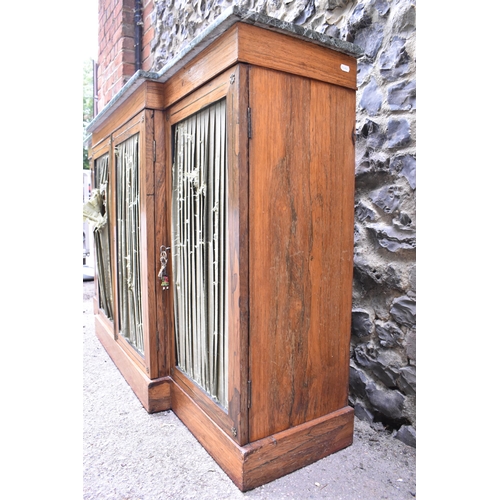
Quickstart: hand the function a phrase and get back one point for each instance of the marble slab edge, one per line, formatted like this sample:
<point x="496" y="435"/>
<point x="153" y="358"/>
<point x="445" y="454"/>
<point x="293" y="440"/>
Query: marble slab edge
<point x="221" y="24"/>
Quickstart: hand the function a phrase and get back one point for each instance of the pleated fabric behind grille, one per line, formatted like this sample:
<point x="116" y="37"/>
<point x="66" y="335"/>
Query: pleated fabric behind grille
<point x="128" y="242"/>
<point x="200" y="248"/>
<point x="102" y="238"/>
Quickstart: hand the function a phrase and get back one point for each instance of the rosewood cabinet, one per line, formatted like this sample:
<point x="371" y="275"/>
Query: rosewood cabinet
<point x="225" y="275"/>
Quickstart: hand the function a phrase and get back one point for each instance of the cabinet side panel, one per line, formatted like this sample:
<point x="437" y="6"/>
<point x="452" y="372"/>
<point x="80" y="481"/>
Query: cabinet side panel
<point x="301" y="245"/>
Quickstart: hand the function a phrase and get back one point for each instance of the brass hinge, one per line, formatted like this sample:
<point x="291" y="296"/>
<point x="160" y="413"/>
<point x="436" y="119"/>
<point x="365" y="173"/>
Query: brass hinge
<point x="249" y="398"/>
<point x="249" y="119"/>
<point x="154" y="150"/>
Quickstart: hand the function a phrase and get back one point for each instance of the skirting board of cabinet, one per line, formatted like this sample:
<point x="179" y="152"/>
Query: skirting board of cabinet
<point x="154" y="394"/>
<point x="270" y="458"/>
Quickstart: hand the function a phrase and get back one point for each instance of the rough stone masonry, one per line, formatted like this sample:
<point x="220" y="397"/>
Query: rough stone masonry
<point x="383" y="353"/>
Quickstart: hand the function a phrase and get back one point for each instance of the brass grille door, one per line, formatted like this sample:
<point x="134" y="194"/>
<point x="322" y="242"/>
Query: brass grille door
<point x="102" y="236"/>
<point x="128" y="242"/>
<point x="199" y="219"/>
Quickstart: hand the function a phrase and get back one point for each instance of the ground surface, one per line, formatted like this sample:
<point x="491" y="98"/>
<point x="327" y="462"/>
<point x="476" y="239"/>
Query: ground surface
<point x="130" y="454"/>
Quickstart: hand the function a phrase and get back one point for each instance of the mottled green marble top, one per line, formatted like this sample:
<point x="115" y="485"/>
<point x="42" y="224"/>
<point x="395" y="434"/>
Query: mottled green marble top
<point x="229" y="17"/>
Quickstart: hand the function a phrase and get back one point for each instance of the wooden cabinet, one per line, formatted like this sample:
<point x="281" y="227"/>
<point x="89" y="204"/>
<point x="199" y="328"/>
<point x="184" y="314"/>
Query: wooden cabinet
<point x="245" y="180"/>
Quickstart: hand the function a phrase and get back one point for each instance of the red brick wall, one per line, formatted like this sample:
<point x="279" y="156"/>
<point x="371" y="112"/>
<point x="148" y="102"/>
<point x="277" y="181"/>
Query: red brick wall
<point x="116" y="56"/>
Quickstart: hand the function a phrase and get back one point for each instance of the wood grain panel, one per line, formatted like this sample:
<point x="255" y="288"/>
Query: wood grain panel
<point x="285" y="53"/>
<point x="221" y="54"/>
<point x="159" y="395"/>
<point x="148" y="94"/>
<point x="260" y="462"/>
<point x="287" y="451"/>
<point x="237" y="232"/>
<point x="204" y="401"/>
<point x="224" y="450"/>
<point x="154" y="395"/>
<point x="149" y="255"/>
<point x="300" y="199"/>
<point x="154" y="95"/>
<point x="162" y="186"/>
<point x="215" y="89"/>
<point x="97" y="150"/>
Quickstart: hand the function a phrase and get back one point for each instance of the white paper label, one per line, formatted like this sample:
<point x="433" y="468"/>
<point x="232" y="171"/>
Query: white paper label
<point x="345" y="68"/>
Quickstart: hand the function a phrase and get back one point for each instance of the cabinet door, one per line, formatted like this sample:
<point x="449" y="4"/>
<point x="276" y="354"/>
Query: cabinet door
<point x="124" y="174"/>
<point x="102" y="232"/>
<point x="209" y="248"/>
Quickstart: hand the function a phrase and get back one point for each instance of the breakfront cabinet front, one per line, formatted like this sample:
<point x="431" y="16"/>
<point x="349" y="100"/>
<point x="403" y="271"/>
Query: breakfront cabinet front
<point x="131" y="198"/>
<point x="225" y="260"/>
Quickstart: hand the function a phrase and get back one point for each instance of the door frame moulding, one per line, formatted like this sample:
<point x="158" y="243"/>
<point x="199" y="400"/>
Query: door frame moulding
<point x="146" y="374"/>
<point x="232" y="85"/>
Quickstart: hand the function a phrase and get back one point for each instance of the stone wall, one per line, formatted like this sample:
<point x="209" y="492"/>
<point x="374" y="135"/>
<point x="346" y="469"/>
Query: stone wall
<point x="383" y="354"/>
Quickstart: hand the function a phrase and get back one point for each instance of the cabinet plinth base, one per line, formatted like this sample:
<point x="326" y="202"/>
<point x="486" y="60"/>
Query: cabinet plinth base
<point x="270" y="458"/>
<point x="248" y="466"/>
<point x="154" y="394"/>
